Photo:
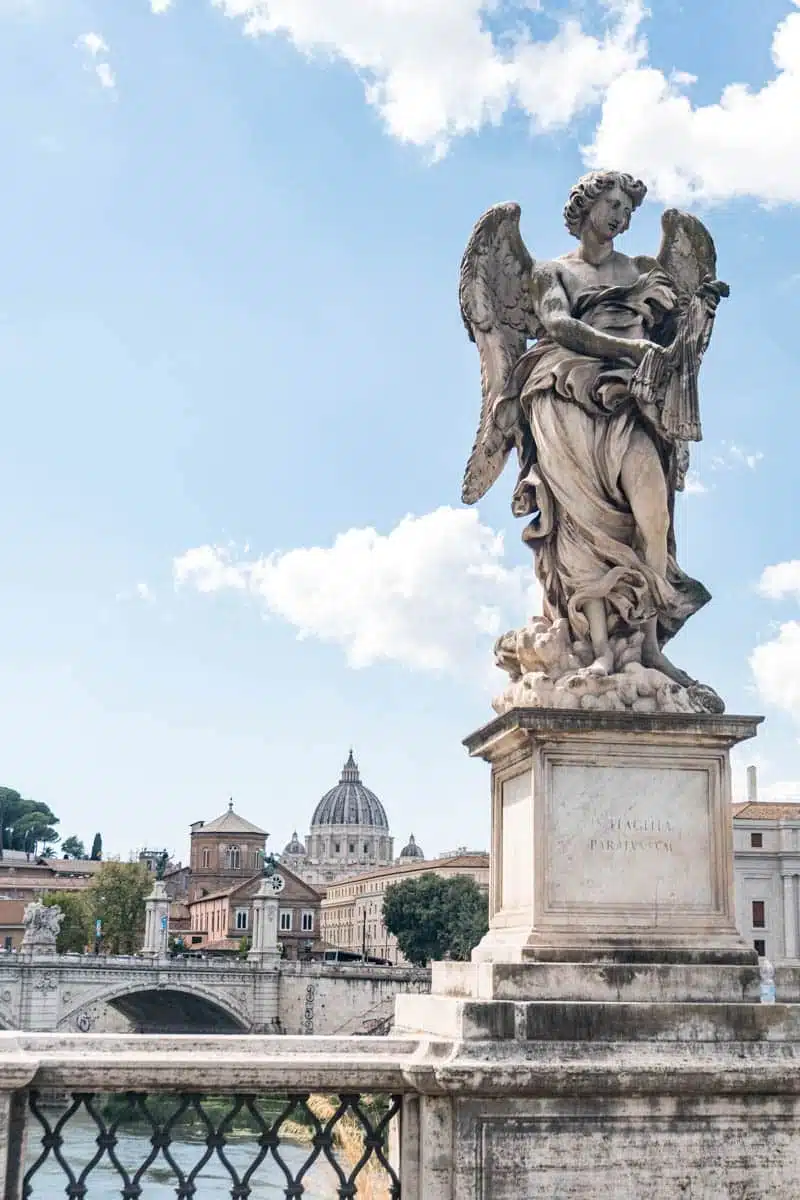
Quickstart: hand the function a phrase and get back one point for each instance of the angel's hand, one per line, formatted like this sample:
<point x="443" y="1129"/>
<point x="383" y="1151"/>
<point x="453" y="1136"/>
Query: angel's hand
<point x="712" y="291"/>
<point x="636" y="349"/>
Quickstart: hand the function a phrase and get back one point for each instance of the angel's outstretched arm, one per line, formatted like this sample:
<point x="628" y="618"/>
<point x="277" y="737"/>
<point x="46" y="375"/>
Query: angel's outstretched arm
<point x="552" y="308"/>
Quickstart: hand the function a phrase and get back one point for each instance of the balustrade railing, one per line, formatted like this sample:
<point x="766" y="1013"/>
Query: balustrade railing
<point x="244" y="1117"/>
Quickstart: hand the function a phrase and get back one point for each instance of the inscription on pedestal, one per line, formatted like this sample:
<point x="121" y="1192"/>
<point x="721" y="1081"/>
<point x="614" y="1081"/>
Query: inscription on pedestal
<point x="633" y="836"/>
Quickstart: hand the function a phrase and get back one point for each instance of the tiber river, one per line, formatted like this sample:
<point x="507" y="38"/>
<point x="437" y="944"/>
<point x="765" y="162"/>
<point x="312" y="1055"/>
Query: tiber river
<point x="159" y="1183"/>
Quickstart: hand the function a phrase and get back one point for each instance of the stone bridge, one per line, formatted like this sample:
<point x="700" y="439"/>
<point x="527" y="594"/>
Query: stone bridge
<point x="89" y="994"/>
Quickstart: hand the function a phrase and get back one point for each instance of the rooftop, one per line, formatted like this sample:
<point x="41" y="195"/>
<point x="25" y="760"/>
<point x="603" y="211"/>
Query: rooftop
<point x="474" y="860"/>
<point x="230" y="822"/>
<point x="764" y="810"/>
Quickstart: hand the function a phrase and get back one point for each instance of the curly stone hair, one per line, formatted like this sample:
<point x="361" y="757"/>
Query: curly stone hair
<point x="589" y="187"/>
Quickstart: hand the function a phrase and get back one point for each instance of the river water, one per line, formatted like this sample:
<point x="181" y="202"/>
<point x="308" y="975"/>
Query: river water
<point x="214" y="1183"/>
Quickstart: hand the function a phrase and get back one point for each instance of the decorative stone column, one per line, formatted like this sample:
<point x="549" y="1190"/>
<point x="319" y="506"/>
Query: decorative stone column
<point x="156" y="922"/>
<point x="265" y="956"/>
<point x="264" y="949"/>
<point x="789" y="918"/>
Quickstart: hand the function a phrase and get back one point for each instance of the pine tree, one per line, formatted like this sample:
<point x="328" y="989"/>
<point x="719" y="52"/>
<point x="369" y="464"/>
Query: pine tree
<point x="97" y="848"/>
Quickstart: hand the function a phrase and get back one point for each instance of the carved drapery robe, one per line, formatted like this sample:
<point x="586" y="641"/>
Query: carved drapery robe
<point x="573" y="417"/>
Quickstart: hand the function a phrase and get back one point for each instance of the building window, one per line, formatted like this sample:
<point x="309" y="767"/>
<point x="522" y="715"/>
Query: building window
<point x="760" y="947"/>
<point x="241" y="918"/>
<point x="256" y="859"/>
<point x="234" y="858"/>
<point x="9" y="943"/>
<point x="756" y="841"/>
<point x="337" y="847"/>
<point x="308" y="922"/>
<point x="285" y="920"/>
<point x="352" y="847"/>
<point x="206" y="857"/>
<point x="759" y="921"/>
<point x="366" y="848"/>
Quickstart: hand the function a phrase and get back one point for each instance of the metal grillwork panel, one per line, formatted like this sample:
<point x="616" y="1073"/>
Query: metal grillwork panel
<point x="283" y="1139"/>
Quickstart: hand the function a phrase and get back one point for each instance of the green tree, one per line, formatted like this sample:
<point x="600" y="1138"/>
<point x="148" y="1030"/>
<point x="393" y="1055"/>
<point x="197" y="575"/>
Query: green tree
<point x="76" y="928"/>
<point x="116" y="898"/>
<point x="25" y="824"/>
<point x="432" y="917"/>
<point x="97" y="848"/>
<point x="73" y="847"/>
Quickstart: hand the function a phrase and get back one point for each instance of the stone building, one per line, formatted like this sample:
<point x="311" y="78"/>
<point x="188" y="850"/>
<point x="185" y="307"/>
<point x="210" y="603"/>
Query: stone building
<point x="352" y="910"/>
<point x="220" y="920"/>
<point x="349" y="833"/>
<point x="23" y="879"/>
<point x="224" y="852"/>
<point x="766" y="851"/>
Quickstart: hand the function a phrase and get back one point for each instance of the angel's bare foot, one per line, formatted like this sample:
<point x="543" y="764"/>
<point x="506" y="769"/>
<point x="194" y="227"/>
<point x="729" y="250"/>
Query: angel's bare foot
<point x="603" y="664"/>
<point x="653" y="657"/>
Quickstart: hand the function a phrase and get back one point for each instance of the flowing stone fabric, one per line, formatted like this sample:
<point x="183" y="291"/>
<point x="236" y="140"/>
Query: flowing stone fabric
<point x="581" y="416"/>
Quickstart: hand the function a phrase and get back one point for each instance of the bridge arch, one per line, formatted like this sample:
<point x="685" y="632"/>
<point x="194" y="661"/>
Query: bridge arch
<point x="161" y="1008"/>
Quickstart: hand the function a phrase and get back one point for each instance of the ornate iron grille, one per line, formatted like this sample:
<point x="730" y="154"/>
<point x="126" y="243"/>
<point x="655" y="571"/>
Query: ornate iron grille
<point x="348" y="1132"/>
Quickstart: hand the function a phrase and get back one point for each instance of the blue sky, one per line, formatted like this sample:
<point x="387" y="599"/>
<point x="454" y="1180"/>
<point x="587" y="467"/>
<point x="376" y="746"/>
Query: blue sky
<point x="238" y="397"/>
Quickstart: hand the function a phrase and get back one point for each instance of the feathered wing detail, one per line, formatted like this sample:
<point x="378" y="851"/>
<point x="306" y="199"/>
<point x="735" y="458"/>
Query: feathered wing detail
<point x="687" y="252"/>
<point x="497" y="311"/>
<point x="665" y="383"/>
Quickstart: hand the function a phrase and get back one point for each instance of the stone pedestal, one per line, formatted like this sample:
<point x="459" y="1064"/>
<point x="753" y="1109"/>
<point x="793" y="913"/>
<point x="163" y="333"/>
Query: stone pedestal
<point x="611" y="837"/>
<point x="156" y="922"/>
<point x="606" y="1042"/>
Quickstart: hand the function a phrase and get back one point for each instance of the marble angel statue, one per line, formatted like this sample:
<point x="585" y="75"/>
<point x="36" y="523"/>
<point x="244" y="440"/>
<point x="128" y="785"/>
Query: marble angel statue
<point x="600" y="410"/>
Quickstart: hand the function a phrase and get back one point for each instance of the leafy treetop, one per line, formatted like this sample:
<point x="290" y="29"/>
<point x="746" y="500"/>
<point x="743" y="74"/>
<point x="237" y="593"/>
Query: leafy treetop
<point x="433" y="917"/>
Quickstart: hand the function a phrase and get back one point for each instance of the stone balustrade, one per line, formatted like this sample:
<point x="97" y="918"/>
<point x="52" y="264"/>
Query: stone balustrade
<point x="366" y="1079"/>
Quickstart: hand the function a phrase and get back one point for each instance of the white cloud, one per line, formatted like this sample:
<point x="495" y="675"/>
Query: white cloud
<point x="694" y="485"/>
<point x="160" y="6"/>
<point x="781" y="580"/>
<point x="731" y="456"/>
<point x="776" y="667"/>
<point x="776" y="663"/>
<point x="747" y="144"/>
<point x="106" y="75"/>
<point x="435" y="70"/>
<point x="145" y="592"/>
<point x="95" y="49"/>
<point x="430" y="594"/>
<point x="93" y="43"/>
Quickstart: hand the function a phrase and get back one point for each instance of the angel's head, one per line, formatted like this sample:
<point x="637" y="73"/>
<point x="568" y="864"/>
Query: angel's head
<point x="606" y="199"/>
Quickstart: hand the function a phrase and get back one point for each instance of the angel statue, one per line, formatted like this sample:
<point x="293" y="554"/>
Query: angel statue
<point x="600" y="410"/>
<point x="42" y="924"/>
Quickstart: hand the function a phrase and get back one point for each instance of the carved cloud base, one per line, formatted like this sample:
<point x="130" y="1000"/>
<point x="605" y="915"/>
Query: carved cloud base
<point x="549" y="669"/>
<point x="611" y="837"/>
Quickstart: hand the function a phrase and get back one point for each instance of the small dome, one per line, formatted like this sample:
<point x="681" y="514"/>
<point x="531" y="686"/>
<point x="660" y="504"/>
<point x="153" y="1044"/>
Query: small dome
<point x="350" y="803"/>
<point x="412" y="850"/>
<point x="295" y="846"/>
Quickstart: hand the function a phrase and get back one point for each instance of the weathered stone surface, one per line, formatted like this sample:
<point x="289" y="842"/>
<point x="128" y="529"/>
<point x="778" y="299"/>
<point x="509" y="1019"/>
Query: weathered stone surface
<point x="642" y="983"/>
<point x="611" y="837"/>
<point x="549" y="669"/>
<point x="42" y="923"/>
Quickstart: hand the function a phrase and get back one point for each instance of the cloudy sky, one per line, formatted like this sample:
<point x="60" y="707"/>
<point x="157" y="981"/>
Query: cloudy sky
<point x="238" y="398"/>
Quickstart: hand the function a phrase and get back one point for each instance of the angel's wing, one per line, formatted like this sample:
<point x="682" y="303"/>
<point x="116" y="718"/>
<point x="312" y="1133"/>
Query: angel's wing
<point x="687" y="251"/>
<point x="497" y="312"/>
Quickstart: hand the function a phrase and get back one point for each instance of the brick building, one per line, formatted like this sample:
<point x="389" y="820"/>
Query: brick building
<point x="220" y="920"/>
<point x="224" y="852"/>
